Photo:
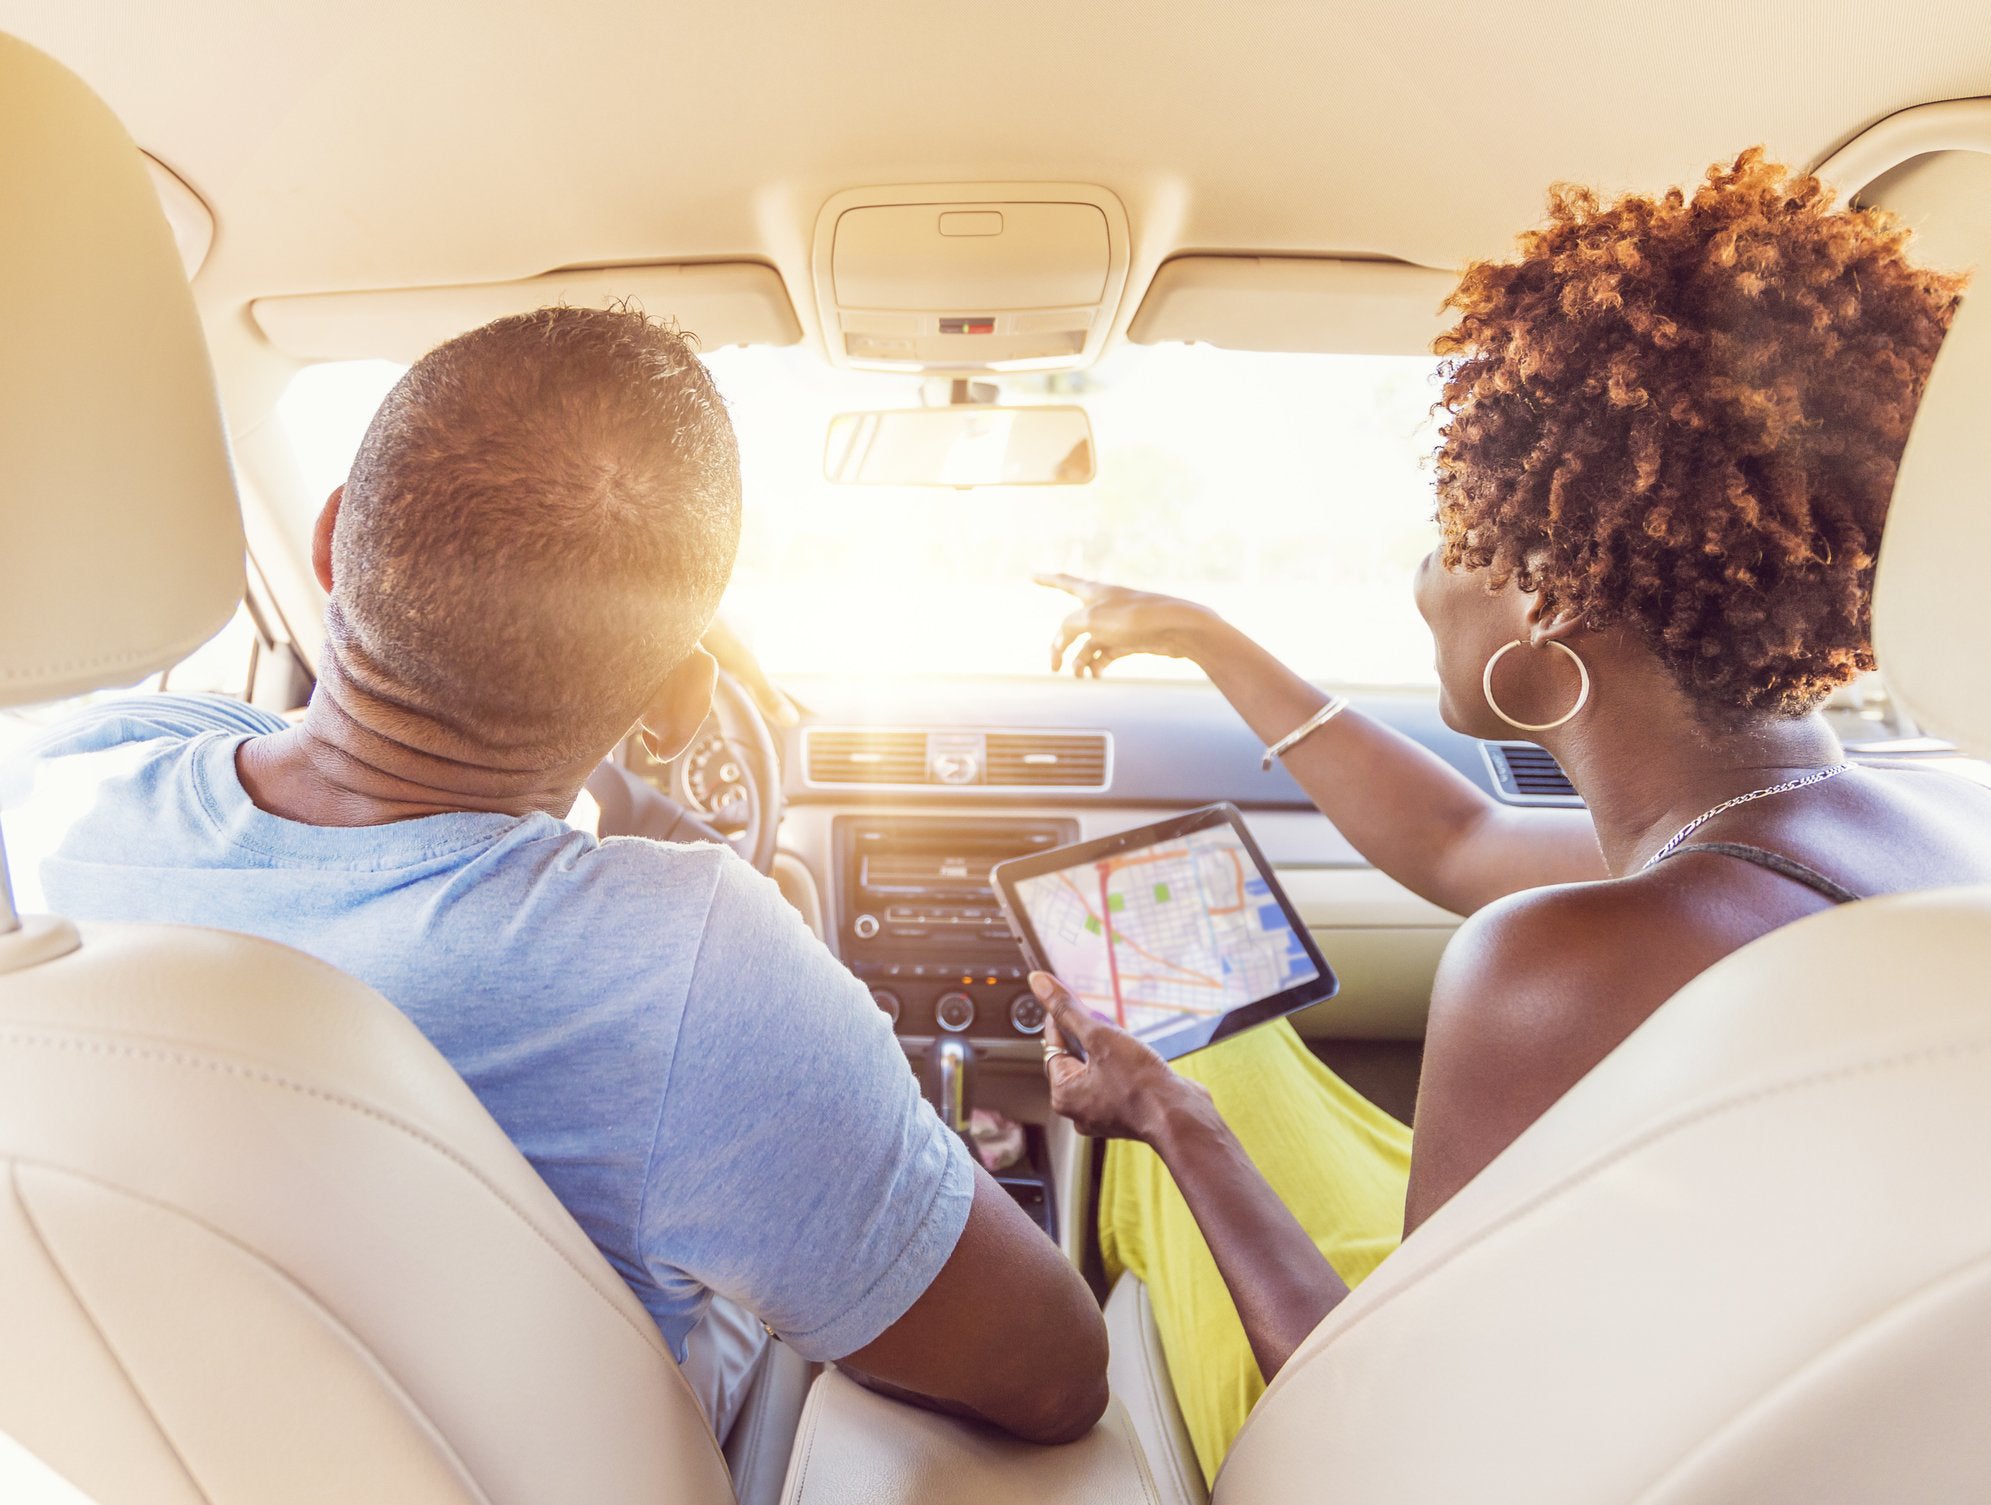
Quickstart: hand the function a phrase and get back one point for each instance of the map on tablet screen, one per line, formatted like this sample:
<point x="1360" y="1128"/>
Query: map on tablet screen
<point x="1155" y="936"/>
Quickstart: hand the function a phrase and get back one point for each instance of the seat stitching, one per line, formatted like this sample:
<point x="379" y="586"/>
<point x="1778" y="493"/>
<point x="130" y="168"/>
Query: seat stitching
<point x="808" y="1442"/>
<point x="332" y="1319"/>
<point x="756" y="1423"/>
<point x="116" y="659"/>
<point x="1141" y="1470"/>
<point x="1665" y="1129"/>
<point x="130" y="1379"/>
<point x="1151" y="1378"/>
<point x="366" y="1110"/>
<point x="1151" y="1372"/>
<point x="1772" y="1392"/>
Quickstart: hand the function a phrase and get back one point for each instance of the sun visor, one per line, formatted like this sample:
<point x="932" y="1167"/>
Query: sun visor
<point x="1294" y="303"/>
<point x="722" y="302"/>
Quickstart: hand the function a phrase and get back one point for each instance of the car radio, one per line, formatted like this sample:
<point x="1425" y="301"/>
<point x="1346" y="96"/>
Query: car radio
<point x="918" y="922"/>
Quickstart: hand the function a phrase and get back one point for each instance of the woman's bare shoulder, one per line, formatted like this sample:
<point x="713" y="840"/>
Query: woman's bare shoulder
<point x="1578" y="935"/>
<point x="1553" y="978"/>
<point x="1532" y="992"/>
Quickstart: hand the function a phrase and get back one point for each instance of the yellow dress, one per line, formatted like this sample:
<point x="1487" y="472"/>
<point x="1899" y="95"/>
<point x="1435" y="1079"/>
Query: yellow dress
<point x="1340" y="1163"/>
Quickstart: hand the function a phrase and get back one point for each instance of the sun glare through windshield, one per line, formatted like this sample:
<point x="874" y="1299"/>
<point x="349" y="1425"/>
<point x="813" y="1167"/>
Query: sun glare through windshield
<point x="1291" y="492"/>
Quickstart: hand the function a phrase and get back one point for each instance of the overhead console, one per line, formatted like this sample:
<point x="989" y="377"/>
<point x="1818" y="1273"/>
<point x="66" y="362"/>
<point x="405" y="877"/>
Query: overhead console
<point x="986" y="277"/>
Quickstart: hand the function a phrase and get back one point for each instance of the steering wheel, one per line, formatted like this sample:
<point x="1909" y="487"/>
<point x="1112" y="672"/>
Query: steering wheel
<point x="725" y="787"/>
<point x="731" y="773"/>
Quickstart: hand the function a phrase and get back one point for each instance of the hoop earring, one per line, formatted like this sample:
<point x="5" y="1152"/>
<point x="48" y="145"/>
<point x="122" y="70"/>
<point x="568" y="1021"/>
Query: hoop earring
<point x="1582" y="693"/>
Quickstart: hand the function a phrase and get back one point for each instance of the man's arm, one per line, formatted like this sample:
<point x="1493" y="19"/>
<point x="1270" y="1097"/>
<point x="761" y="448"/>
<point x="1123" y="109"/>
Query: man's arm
<point x="797" y="1171"/>
<point x="1007" y="1332"/>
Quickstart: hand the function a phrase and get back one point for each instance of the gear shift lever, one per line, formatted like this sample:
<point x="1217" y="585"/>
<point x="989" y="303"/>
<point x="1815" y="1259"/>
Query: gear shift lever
<point x="951" y="1061"/>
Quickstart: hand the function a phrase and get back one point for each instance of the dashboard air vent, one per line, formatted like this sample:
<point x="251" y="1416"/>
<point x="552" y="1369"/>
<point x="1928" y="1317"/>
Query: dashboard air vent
<point x="1065" y="760"/>
<point x="857" y="756"/>
<point x="1527" y="775"/>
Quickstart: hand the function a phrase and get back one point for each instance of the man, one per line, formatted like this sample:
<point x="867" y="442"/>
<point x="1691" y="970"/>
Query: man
<point x="535" y="532"/>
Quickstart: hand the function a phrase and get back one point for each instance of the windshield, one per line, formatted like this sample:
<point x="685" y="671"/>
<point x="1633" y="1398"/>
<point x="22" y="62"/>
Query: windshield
<point x="1290" y="492"/>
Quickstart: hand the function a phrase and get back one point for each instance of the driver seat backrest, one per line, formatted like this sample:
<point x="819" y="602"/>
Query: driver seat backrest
<point x="257" y="1240"/>
<point x="1749" y="1256"/>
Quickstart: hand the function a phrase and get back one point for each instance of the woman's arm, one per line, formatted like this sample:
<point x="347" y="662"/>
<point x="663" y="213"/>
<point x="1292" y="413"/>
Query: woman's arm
<point x="1403" y="808"/>
<point x="1279" y="1281"/>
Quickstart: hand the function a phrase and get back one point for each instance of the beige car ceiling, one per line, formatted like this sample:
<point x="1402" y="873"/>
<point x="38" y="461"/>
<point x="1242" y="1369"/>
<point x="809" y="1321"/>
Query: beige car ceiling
<point x="365" y="145"/>
<point x="368" y="144"/>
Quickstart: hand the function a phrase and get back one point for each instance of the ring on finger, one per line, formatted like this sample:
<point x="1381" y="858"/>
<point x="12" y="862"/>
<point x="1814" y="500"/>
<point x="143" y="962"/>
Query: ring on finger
<point x="1052" y="1052"/>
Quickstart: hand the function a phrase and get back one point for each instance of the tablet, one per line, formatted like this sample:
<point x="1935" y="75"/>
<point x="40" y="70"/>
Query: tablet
<point x="1175" y="931"/>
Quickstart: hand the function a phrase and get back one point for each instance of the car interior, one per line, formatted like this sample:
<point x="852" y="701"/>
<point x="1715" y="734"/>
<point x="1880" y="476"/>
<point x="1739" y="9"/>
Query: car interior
<point x="1124" y="291"/>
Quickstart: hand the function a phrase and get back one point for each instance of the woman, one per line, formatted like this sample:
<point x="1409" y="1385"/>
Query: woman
<point x="1673" y="426"/>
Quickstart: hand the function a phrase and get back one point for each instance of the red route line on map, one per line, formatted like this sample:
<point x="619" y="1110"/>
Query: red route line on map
<point x="1201" y="979"/>
<point x="1105" y="871"/>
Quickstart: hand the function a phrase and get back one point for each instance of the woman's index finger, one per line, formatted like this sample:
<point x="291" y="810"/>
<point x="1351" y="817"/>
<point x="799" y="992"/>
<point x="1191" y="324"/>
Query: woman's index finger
<point x="1071" y="585"/>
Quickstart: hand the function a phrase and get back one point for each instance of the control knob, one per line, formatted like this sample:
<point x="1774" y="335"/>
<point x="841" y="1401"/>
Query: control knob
<point x="865" y="926"/>
<point x="888" y="1002"/>
<point x="954" y="1011"/>
<point x="1027" y="1014"/>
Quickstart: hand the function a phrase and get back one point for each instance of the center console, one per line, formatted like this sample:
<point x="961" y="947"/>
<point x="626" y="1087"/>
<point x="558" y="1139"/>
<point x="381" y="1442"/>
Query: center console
<point x="917" y="920"/>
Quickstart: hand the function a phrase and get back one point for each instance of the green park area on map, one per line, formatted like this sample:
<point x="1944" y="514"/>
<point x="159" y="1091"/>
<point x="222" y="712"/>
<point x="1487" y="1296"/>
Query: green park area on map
<point x="1194" y="931"/>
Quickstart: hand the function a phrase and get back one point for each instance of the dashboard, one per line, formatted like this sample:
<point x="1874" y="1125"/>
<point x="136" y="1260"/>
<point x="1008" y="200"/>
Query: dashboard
<point x="902" y="794"/>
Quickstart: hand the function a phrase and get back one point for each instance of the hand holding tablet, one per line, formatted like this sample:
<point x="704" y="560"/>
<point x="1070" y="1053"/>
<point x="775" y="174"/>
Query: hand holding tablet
<point x="1176" y="931"/>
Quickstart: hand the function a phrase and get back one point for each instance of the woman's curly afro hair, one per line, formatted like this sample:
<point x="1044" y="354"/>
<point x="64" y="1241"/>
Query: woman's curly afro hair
<point x="1684" y="414"/>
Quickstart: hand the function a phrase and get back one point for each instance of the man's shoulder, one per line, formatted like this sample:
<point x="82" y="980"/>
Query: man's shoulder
<point x="684" y="895"/>
<point x="151" y="718"/>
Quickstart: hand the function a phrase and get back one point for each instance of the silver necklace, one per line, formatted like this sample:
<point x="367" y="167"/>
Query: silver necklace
<point x="1816" y="776"/>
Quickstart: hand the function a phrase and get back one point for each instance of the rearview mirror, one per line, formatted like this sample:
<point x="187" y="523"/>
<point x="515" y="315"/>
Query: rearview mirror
<point x="968" y="445"/>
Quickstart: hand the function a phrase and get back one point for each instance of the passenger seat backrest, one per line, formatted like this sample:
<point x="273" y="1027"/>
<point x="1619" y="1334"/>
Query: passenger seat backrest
<point x="259" y="1243"/>
<point x="1749" y="1256"/>
<point x="1932" y="613"/>
<point x="257" y="1240"/>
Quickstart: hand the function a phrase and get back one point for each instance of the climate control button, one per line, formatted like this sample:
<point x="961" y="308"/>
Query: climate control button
<point x="1027" y="1014"/>
<point x="887" y="1001"/>
<point x="954" y="1011"/>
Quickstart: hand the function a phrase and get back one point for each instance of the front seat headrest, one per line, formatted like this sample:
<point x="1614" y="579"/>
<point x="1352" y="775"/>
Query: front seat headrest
<point x="120" y="537"/>
<point x="1932" y="600"/>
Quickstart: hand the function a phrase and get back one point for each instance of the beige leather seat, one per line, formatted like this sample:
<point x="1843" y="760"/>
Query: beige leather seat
<point x="1747" y="1259"/>
<point x="257" y="1240"/>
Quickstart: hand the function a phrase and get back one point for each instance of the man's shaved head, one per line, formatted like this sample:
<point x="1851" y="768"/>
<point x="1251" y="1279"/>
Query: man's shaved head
<point x="537" y="529"/>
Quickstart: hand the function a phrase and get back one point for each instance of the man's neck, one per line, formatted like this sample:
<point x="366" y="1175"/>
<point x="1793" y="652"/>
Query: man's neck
<point x="1645" y="766"/>
<point x="360" y="759"/>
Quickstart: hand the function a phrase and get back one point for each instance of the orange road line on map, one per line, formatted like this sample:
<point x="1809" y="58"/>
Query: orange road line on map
<point x="1106" y="922"/>
<point x="1161" y="961"/>
<point x="1115" y="864"/>
<point x="1143" y="1003"/>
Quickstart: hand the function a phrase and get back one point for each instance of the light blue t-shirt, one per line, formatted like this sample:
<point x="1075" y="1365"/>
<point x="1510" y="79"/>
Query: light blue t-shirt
<point x="714" y="1098"/>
